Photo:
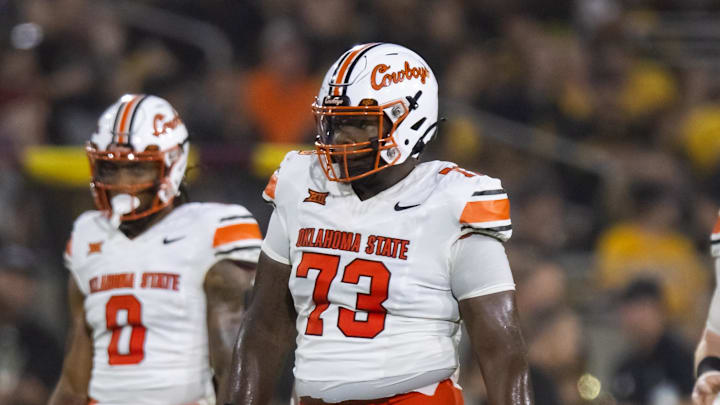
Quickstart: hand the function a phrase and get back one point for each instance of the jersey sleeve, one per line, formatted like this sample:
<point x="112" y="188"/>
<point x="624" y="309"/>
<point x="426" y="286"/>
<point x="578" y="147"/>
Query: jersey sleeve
<point x="72" y="256"/>
<point x="479" y="266"/>
<point x="68" y="254"/>
<point x="277" y="241"/>
<point x="268" y="193"/>
<point x="281" y="192"/>
<point x="713" y="320"/>
<point x="715" y="239"/>
<point x="485" y="208"/>
<point x="236" y="235"/>
<point x="68" y="258"/>
<point x="278" y="186"/>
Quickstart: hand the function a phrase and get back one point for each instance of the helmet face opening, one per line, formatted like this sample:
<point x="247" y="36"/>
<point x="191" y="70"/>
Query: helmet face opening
<point x="119" y="170"/>
<point x="351" y="139"/>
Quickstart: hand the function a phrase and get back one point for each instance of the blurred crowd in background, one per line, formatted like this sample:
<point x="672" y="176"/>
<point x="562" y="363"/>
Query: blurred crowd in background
<point x="602" y="118"/>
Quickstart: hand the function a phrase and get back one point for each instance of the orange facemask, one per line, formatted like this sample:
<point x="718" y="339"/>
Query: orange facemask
<point x="101" y="189"/>
<point x="336" y="156"/>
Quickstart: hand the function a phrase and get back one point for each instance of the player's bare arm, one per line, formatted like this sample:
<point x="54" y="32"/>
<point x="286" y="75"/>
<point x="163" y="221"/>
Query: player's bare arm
<point x="707" y="360"/>
<point x="494" y="329"/>
<point x="707" y="354"/>
<point x="707" y="385"/>
<point x="225" y="286"/>
<point x="267" y="336"/>
<point x="72" y="388"/>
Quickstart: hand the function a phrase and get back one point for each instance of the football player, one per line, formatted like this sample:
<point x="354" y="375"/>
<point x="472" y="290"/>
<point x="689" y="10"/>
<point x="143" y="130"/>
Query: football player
<point x="707" y="355"/>
<point x="156" y="293"/>
<point x="371" y="260"/>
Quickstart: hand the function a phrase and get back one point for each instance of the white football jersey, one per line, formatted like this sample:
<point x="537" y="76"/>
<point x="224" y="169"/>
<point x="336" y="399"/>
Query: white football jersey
<point x="713" y="321"/>
<point x="376" y="283"/>
<point x="715" y="239"/>
<point x="145" y="303"/>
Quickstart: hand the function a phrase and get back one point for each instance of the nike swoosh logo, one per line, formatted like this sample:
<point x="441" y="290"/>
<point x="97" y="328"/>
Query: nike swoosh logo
<point x="399" y="208"/>
<point x="168" y="241"/>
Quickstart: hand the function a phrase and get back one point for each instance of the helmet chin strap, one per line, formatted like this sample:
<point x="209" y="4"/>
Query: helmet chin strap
<point x="122" y="204"/>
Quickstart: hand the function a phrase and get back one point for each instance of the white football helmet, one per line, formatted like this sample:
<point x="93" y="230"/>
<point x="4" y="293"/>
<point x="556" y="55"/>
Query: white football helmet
<point x="380" y="80"/>
<point x="139" y="128"/>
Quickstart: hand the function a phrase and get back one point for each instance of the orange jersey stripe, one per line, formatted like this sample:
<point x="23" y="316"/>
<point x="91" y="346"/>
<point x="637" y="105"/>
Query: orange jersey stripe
<point x="234" y="233"/>
<point x="270" y="188"/>
<point x="716" y="228"/>
<point x="68" y="247"/>
<point x="485" y="211"/>
<point x="341" y="73"/>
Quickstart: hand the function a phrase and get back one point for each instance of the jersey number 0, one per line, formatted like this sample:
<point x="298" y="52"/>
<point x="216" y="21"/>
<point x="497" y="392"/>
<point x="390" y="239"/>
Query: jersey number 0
<point x="371" y="303"/>
<point x="136" y="351"/>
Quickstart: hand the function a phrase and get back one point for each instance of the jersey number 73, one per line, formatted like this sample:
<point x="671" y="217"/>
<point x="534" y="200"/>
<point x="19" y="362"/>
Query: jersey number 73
<point x="371" y="303"/>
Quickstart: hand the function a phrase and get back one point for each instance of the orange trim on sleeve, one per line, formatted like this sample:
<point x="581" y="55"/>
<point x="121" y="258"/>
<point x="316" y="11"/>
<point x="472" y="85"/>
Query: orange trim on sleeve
<point x="234" y="233"/>
<point x="270" y="188"/>
<point x="485" y="211"/>
<point x="716" y="228"/>
<point x="68" y="247"/>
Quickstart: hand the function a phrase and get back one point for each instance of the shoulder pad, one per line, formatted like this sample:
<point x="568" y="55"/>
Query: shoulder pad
<point x="295" y="168"/>
<point x="81" y="241"/>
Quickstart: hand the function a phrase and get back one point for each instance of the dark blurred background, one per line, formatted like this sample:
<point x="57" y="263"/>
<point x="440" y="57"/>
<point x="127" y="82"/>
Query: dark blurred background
<point x="602" y="118"/>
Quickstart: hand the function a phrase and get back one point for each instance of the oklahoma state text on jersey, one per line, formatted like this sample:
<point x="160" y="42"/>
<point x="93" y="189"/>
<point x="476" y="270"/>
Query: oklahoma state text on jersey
<point x="145" y="303"/>
<point x="371" y="279"/>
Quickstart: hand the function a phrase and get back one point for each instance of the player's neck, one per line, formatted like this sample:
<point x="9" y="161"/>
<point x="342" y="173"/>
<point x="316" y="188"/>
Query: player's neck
<point x="370" y="186"/>
<point x="133" y="229"/>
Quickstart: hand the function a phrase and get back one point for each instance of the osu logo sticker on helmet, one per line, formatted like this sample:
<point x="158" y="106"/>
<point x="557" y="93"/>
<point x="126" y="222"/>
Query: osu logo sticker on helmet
<point x="388" y="79"/>
<point x="160" y="127"/>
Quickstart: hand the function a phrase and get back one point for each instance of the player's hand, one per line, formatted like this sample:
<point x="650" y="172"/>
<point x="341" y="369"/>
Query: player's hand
<point x="706" y="388"/>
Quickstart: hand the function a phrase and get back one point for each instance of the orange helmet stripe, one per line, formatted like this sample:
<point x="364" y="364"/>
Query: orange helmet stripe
<point x="123" y="128"/>
<point x="340" y="78"/>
